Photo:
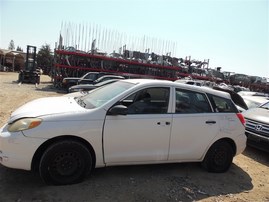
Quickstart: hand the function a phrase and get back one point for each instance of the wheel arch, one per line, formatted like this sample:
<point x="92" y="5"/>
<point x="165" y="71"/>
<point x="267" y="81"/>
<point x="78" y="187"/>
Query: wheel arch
<point x="39" y="152"/>
<point x="226" y="139"/>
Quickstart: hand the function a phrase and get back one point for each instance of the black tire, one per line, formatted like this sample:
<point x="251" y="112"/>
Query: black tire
<point x="219" y="157"/>
<point x="68" y="86"/>
<point x="65" y="162"/>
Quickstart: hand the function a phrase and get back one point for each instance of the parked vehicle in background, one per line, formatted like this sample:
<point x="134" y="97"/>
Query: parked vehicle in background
<point x="191" y="82"/>
<point x="30" y="73"/>
<point x="254" y="101"/>
<point x="103" y="78"/>
<point x="86" y="78"/>
<point x="132" y="121"/>
<point x="238" y="88"/>
<point x="257" y="127"/>
<point x="89" y="87"/>
<point x="251" y="93"/>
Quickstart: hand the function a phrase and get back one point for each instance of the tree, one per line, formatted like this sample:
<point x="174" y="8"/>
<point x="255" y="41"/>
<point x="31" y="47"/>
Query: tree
<point x="44" y="58"/>
<point x="11" y="45"/>
<point x="19" y="48"/>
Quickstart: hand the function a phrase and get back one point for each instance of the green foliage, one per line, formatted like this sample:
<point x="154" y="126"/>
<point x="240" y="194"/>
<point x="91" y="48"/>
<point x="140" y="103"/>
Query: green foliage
<point x="11" y="45"/>
<point x="19" y="48"/>
<point x="44" y="57"/>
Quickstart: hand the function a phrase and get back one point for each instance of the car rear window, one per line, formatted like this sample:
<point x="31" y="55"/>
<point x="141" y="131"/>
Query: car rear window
<point x="191" y="102"/>
<point x="221" y="104"/>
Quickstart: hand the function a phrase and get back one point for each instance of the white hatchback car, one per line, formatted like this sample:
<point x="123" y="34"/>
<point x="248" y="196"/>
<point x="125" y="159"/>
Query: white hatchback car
<point x="135" y="121"/>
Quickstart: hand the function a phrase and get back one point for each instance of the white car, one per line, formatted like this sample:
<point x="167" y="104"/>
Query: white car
<point x="134" y="121"/>
<point x="255" y="101"/>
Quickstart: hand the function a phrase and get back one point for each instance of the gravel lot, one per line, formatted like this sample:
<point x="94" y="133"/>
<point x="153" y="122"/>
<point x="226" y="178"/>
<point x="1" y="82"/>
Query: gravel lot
<point x="247" y="180"/>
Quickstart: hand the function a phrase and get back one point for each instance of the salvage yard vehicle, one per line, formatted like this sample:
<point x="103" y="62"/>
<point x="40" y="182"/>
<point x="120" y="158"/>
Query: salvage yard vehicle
<point x="103" y="78"/>
<point x="128" y="122"/>
<point x="255" y="101"/>
<point x="89" y="87"/>
<point x="86" y="78"/>
<point x="257" y="127"/>
<point x="30" y="73"/>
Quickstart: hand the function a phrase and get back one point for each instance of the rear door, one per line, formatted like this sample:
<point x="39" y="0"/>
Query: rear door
<point x="226" y="111"/>
<point x="194" y="126"/>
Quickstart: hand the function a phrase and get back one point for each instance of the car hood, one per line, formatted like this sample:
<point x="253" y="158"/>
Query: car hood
<point x="46" y="106"/>
<point x="257" y="114"/>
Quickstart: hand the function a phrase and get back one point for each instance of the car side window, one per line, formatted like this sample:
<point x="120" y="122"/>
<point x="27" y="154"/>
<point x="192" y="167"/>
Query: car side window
<point x="221" y="104"/>
<point x="90" y="76"/>
<point x="191" y="102"/>
<point x="148" y="101"/>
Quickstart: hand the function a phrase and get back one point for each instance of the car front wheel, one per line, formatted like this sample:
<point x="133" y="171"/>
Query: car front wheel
<point x="219" y="157"/>
<point x="65" y="162"/>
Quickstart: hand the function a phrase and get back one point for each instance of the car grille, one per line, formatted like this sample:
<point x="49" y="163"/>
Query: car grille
<point x="259" y="128"/>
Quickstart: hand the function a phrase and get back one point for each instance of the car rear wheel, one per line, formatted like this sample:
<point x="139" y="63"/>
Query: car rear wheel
<point x="65" y="162"/>
<point x="219" y="157"/>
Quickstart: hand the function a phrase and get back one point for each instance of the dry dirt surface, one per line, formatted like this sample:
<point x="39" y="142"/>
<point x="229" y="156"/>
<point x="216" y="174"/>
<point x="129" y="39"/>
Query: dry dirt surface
<point x="247" y="179"/>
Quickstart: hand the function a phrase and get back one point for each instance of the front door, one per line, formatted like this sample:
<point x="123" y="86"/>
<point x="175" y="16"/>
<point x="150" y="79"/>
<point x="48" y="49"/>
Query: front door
<point x="144" y="133"/>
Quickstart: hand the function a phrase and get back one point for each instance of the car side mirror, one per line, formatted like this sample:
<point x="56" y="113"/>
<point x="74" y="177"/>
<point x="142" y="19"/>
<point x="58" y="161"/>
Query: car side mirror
<point x="118" y="110"/>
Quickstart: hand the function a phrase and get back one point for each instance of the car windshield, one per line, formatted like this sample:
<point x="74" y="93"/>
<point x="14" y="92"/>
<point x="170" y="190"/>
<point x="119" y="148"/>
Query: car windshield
<point x="102" y="95"/>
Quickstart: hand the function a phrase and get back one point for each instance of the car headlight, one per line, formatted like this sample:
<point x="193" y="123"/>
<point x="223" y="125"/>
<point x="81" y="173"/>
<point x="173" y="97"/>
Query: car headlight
<point x="24" y="124"/>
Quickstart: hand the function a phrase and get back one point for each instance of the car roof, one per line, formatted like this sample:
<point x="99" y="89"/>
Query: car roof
<point x="187" y="80"/>
<point x="111" y="75"/>
<point x="107" y="81"/>
<point x="179" y="85"/>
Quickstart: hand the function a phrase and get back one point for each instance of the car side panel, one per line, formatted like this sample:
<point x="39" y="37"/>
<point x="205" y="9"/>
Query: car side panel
<point x="191" y="135"/>
<point x="136" y="138"/>
<point x="89" y="130"/>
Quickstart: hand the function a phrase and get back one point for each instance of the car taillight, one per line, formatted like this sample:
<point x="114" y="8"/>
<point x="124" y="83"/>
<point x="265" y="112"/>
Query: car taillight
<point x="241" y="118"/>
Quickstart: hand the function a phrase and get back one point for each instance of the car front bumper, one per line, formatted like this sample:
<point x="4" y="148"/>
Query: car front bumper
<point x="16" y="150"/>
<point x="257" y="141"/>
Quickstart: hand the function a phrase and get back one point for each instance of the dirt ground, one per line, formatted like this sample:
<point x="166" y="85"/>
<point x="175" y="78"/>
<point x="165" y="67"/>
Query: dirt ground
<point x="247" y="180"/>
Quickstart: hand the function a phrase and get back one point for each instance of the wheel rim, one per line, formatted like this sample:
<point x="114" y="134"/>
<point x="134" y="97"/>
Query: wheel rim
<point x="66" y="164"/>
<point x="220" y="156"/>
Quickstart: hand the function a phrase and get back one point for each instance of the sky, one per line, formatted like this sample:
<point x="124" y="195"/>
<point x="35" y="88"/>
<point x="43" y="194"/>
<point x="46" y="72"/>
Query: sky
<point x="232" y="34"/>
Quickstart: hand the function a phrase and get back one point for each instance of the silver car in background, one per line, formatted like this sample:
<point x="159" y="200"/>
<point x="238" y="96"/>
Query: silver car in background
<point x="257" y="126"/>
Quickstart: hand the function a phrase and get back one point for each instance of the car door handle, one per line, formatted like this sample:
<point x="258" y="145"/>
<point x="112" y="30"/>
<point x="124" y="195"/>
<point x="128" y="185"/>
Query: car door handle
<point x="210" y="122"/>
<point x="166" y="123"/>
